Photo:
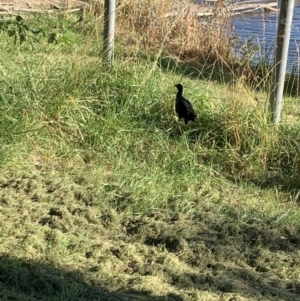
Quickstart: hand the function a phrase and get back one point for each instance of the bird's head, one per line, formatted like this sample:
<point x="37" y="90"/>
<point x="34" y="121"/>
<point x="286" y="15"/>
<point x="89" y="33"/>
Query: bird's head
<point x="179" y="87"/>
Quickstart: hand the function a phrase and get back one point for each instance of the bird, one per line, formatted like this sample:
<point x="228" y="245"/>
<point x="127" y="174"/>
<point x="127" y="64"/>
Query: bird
<point x="183" y="107"/>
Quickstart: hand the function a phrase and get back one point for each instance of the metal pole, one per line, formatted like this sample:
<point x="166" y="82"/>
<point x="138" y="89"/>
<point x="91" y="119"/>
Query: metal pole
<point x="109" y="28"/>
<point x="281" y="56"/>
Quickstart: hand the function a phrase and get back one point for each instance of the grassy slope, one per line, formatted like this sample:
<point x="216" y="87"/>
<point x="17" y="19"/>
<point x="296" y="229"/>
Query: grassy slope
<point x="105" y="196"/>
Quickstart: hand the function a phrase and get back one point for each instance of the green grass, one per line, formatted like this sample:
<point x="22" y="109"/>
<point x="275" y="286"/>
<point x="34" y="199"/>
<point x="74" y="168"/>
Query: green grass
<point x="106" y="196"/>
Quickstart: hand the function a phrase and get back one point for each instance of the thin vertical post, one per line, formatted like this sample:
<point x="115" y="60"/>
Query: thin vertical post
<point x="109" y="28"/>
<point x="281" y="56"/>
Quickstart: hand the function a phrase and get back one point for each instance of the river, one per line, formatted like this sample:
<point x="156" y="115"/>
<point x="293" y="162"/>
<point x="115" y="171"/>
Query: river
<point x="261" y="28"/>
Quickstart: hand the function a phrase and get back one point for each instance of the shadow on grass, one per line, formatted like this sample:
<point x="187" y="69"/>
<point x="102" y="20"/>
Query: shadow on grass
<point x="214" y="72"/>
<point x="258" y="77"/>
<point x="22" y="279"/>
<point x="235" y="151"/>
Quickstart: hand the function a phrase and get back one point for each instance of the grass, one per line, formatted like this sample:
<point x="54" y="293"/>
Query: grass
<point x="106" y="196"/>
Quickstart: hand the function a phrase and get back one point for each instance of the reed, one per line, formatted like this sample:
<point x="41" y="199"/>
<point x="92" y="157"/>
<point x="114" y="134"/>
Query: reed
<point x="174" y="27"/>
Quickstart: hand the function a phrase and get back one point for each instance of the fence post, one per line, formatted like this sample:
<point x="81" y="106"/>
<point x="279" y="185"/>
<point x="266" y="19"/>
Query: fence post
<point x="109" y="29"/>
<point x="281" y="56"/>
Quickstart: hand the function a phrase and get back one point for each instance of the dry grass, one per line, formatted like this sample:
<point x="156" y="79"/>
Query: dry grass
<point x="173" y="28"/>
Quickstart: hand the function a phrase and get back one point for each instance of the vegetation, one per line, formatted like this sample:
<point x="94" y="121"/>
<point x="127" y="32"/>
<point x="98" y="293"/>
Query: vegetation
<point x="106" y="196"/>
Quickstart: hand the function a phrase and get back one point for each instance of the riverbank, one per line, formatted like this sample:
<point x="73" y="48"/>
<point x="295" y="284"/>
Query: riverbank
<point x="105" y="195"/>
<point x="208" y="8"/>
<point x="201" y="9"/>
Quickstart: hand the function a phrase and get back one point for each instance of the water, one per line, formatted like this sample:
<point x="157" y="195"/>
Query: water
<point x="261" y="28"/>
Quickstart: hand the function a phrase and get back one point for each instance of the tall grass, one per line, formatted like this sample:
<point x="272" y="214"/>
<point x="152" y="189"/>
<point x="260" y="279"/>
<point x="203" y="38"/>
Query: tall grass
<point x="66" y="104"/>
<point x="174" y="28"/>
<point x="74" y="102"/>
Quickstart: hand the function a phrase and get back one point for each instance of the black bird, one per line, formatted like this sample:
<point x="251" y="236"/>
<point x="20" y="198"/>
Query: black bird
<point x="183" y="107"/>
